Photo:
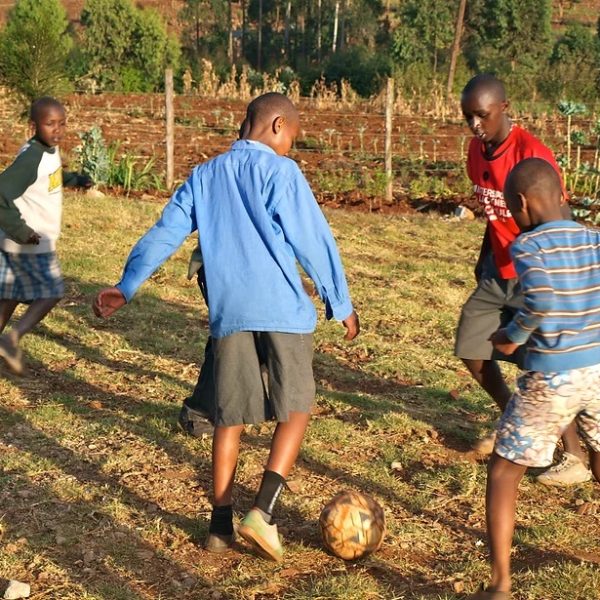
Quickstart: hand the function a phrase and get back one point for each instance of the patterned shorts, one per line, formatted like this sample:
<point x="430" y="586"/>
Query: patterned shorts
<point x="542" y="407"/>
<point x="29" y="277"/>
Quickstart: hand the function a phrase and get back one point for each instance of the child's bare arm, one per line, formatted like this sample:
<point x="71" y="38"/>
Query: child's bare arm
<point x="108" y="301"/>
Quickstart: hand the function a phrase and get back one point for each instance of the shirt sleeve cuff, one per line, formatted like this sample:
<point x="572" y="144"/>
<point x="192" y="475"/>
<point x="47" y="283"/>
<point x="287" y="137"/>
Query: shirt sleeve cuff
<point x="339" y="311"/>
<point x="126" y="290"/>
<point x="516" y="334"/>
<point x="22" y="234"/>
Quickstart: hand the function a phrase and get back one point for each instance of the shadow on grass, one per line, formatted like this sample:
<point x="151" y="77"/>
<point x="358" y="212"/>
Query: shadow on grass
<point x="81" y="536"/>
<point x="370" y="397"/>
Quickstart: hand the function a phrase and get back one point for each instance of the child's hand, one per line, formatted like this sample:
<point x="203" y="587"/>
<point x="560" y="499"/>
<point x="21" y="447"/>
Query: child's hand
<point x="108" y="301"/>
<point x="34" y="239"/>
<point x="502" y="343"/>
<point x="352" y="326"/>
<point x="85" y="182"/>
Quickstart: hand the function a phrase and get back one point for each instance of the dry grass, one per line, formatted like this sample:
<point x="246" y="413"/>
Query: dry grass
<point x="102" y="498"/>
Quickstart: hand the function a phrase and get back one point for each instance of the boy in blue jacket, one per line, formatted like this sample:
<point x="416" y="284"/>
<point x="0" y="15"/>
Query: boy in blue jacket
<point x="256" y="216"/>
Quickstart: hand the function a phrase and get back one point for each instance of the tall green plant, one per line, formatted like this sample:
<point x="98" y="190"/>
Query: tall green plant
<point x="125" y="173"/>
<point x="570" y="109"/>
<point x="94" y="157"/>
<point x="34" y="47"/>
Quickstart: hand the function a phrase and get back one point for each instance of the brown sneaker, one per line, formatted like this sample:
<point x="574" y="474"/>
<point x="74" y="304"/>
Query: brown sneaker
<point x="11" y="353"/>
<point x="194" y="422"/>
<point x="217" y="543"/>
<point x="485" y="445"/>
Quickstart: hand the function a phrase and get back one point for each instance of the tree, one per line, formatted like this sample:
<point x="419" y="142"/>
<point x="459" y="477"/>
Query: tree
<point x="153" y="49"/>
<point x="575" y="65"/>
<point x="191" y="14"/>
<point x="362" y="68"/>
<point x="511" y="38"/>
<point x="207" y="31"/>
<point x="126" y="48"/>
<point x="426" y="32"/>
<point x="455" y="46"/>
<point x="34" y="47"/>
<point x="506" y="33"/>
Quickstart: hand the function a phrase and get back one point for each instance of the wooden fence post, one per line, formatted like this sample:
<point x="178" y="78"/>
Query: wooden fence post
<point x="170" y="128"/>
<point x="389" y="110"/>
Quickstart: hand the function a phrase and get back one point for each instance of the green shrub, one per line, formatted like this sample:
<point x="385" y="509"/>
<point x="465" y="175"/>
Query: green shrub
<point x="361" y="67"/>
<point x="126" y="48"/>
<point x="125" y="173"/>
<point x="336" y="181"/>
<point x="106" y="167"/>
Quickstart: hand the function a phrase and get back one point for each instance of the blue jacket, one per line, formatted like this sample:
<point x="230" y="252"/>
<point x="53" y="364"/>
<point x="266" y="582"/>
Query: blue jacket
<point x="256" y="216"/>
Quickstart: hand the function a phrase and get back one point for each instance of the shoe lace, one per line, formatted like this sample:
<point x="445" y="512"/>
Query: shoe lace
<point x="564" y="463"/>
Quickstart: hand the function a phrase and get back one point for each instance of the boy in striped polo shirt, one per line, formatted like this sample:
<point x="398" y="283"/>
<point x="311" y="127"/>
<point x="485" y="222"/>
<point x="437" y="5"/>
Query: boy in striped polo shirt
<point x="558" y="265"/>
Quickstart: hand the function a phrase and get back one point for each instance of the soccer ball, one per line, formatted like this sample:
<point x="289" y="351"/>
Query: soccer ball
<point x="352" y="525"/>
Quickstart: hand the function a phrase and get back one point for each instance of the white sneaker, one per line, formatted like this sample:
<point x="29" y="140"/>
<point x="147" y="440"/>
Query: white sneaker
<point x="568" y="471"/>
<point x="486" y="444"/>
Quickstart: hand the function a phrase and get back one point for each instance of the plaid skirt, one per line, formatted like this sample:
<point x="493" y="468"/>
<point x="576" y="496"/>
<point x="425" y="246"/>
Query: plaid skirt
<point x="29" y="277"/>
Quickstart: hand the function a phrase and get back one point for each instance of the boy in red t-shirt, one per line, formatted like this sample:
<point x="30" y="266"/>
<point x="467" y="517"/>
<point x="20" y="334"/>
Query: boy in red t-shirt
<point x="497" y="147"/>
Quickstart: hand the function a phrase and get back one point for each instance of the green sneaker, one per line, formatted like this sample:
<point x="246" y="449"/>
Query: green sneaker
<point x="261" y="536"/>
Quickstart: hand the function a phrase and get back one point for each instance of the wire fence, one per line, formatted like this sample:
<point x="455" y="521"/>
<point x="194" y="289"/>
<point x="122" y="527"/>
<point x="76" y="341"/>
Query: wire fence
<point x="333" y="138"/>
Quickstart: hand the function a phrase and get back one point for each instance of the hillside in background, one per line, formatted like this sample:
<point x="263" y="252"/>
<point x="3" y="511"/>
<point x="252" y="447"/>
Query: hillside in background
<point x="584" y="11"/>
<point x="168" y="8"/>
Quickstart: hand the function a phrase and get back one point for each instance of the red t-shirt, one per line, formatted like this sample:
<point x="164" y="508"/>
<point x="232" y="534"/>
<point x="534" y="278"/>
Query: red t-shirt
<point x="488" y="176"/>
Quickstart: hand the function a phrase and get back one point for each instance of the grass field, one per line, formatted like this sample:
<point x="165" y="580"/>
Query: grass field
<point x="103" y="498"/>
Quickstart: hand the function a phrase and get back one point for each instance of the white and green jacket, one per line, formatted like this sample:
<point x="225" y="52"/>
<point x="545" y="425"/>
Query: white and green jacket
<point x="31" y="198"/>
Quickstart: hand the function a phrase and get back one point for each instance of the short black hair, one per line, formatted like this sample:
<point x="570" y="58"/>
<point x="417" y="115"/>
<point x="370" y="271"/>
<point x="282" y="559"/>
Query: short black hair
<point x="485" y="82"/>
<point x="265" y="105"/>
<point x="534" y="176"/>
<point x="39" y="106"/>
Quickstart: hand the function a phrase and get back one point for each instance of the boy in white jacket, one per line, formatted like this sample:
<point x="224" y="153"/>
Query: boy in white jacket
<point x="30" y="218"/>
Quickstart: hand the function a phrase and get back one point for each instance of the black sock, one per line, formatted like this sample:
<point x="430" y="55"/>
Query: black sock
<point x="270" y="487"/>
<point x="221" y="520"/>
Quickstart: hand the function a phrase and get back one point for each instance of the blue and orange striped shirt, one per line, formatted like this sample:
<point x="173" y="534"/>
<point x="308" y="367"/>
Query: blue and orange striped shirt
<point x="558" y="264"/>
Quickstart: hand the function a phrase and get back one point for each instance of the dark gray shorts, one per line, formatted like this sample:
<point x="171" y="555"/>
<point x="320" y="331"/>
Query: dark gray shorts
<point x="491" y="306"/>
<point x="248" y="363"/>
